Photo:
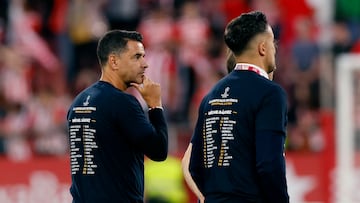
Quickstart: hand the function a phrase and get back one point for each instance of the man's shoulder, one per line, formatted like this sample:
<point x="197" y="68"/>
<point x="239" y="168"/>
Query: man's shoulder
<point x="276" y="87"/>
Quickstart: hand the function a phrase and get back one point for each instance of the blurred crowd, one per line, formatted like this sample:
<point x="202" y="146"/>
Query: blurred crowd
<point x="48" y="55"/>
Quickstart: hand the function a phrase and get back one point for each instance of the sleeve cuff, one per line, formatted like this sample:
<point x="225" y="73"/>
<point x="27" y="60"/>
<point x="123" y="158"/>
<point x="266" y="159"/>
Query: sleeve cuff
<point x="156" y="107"/>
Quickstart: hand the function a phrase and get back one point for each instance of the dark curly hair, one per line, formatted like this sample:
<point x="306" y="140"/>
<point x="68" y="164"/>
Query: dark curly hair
<point x="115" y="41"/>
<point x="242" y="29"/>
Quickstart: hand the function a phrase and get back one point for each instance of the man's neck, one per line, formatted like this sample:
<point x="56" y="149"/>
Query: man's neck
<point x="112" y="80"/>
<point x="252" y="67"/>
<point x="251" y="60"/>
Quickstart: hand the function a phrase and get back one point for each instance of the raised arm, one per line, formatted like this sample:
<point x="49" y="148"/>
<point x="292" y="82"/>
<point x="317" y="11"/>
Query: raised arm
<point x="154" y="138"/>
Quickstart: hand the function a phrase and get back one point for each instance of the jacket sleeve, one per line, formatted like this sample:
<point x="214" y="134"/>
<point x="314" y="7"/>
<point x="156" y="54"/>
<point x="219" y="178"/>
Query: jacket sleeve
<point x="147" y="134"/>
<point x="196" y="165"/>
<point x="160" y="144"/>
<point x="271" y="121"/>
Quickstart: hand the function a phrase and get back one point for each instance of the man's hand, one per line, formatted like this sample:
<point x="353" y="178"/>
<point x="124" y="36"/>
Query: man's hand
<point x="150" y="91"/>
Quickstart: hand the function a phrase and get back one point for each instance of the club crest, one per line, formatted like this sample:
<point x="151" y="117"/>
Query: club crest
<point x="87" y="101"/>
<point x="226" y="93"/>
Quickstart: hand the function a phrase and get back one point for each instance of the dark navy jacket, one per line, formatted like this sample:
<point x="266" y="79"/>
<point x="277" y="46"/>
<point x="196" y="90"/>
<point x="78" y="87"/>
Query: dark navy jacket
<point x="238" y="142"/>
<point x="109" y="136"/>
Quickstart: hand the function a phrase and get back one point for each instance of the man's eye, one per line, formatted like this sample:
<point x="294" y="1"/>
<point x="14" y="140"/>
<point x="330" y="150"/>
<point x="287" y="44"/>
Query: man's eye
<point x="138" y="56"/>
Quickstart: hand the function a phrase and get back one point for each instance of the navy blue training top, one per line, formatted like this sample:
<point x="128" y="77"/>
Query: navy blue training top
<point x="238" y="142"/>
<point x="109" y="136"/>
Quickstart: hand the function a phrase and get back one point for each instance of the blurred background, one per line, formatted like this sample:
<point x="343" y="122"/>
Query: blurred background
<point x="48" y="55"/>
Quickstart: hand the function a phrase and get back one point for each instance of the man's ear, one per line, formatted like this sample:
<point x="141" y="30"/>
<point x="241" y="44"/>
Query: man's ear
<point x="112" y="62"/>
<point x="262" y="48"/>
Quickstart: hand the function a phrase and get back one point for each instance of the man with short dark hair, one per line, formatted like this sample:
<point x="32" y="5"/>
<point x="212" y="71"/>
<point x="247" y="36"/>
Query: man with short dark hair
<point x="236" y="154"/>
<point x="108" y="129"/>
